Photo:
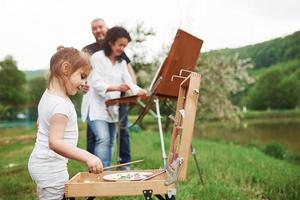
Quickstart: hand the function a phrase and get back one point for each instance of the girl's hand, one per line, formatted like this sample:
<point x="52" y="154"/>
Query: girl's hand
<point x="94" y="164"/>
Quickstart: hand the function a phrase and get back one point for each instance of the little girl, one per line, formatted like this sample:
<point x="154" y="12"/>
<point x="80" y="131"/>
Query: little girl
<point x="57" y="126"/>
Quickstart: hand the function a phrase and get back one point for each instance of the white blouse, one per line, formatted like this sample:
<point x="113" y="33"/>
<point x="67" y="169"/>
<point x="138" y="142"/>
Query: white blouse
<point x="103" y="75"/>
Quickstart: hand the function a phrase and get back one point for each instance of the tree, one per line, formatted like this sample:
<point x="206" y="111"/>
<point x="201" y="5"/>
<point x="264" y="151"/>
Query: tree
<point x="266" y="93"/>
<point x="276" y="88"/>
<point x="12" y="84"/>
<point x="143" y="66"/>
<point x="269" y="52"/>
<point x="291" y="90"/>
<point x="221" y="77"/>
<point x="36" y="88"/>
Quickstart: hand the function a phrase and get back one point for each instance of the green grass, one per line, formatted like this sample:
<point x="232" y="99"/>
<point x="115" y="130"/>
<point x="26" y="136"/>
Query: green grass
<point x="230" y="171"/>
<point x="249" y="115"/>
<point x="267" y="114"/>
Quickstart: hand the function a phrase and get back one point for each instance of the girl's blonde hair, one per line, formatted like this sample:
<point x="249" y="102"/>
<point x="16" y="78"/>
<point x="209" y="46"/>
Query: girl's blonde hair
<point x="71" y="55"/>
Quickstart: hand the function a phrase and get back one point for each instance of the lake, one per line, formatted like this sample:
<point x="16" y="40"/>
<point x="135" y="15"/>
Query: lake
<point x="263" y="131"/>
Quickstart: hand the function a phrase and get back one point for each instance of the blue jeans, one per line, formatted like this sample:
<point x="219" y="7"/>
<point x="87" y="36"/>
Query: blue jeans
<point x="124" y="148"/>
<point x="104" y="133"/>
<point x="90" y="139"/>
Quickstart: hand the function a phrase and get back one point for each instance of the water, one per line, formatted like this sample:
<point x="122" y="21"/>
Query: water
<point x="5" y="124"/>
<point x="282" y="131"/>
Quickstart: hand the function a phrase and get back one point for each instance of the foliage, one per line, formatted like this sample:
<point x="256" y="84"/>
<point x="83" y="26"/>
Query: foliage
<point x="269" y="114"/>
<point x="291" y="90"/>
<point x="144" y="66"/>
<point x="265" y="55"/>
<point x="36" y="88"/>
<point x="270" y="52"/>
<point x="266" y="92"/>
<point x="31" y="74"/>
<point x="139" y="35"/>
<point x="277" y="88"/>
<point x="275" y="150"/>
<point x="12" y="85"/>
<point x="222" y="76"/>
<point x="77" y="99"/>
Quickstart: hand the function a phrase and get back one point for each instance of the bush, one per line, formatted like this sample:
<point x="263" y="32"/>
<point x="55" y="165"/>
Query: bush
<point x="276" y="88"/>
<point x="275" y="150"/>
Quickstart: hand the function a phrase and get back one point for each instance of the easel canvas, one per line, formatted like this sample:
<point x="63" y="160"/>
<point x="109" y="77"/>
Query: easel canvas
<point x="183" y="54"/>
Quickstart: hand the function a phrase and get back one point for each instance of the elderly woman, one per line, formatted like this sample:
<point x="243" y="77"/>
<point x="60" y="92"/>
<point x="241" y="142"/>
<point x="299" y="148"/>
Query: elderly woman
<point x="108" y="79"/>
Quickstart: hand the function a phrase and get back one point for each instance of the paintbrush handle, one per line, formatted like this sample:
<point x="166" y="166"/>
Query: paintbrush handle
<point x="154" y="175"/>
<point x="123" y="164"/>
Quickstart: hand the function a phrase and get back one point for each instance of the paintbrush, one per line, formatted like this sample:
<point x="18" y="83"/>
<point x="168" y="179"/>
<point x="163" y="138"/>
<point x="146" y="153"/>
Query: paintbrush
<point x="123" y="164"/>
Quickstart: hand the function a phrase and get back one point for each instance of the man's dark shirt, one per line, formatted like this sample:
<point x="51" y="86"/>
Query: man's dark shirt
<point x="94" y="47"/>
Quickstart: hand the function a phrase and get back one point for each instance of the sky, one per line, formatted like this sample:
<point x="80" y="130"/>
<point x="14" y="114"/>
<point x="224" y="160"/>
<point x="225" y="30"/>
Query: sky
<point x="31" y="30"/>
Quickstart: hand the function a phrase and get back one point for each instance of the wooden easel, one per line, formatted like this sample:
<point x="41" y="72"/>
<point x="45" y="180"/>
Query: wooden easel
<point x="174" y="79"/>
<point x="85" y="184"/>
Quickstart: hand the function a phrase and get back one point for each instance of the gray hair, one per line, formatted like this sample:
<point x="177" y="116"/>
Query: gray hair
<point x="97" y="19"/>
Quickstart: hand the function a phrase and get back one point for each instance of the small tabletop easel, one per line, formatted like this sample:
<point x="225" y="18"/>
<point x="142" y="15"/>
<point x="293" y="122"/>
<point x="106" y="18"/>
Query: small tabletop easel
<point x="175" y="81"/>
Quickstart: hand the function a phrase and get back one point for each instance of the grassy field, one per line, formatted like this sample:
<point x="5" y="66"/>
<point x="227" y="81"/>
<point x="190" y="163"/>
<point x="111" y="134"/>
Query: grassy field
<point x="267" y="114"/>
<point x="229" y="171"/>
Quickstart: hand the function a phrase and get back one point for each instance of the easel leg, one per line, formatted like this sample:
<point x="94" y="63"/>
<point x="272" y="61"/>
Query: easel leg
<point x="162" y="142"/>
<point x="148" y="194"/>
<point x="159" y="197"/>
<point x="166" y="197"/>
<point x="197" y="165"/>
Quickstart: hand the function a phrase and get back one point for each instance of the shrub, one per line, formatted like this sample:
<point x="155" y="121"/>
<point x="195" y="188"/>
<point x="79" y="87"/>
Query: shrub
<point x="275" y="150"/>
